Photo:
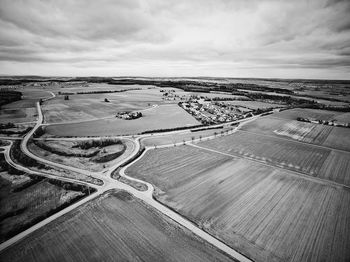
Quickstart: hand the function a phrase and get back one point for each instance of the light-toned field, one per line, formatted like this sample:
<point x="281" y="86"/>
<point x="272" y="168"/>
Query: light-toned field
<point x="92" y="106"/>
<point x="345" y="118"/>
<point x="282" y="153"/>
<point x="99" y="87"/>
<point x="93" y="159"/>
<point x="329" y="136"/>
<point x="114" y="227"/>
<point x="339" y="138"/>
<point x="161" y="117"/>
<point x="87" y="107"/>
<point x="266" y="213"/>
<point x="291" y="129"/>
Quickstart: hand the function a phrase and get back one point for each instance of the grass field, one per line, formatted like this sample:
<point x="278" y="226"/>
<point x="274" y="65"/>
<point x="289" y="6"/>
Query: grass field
<point x="161" y="117"/>
<point x="114" y="227"/>
<point x="20" y="158"/>
<point x="266" y="213"/>
<point x="18" y="115"/>
<point x="92" y="159"/>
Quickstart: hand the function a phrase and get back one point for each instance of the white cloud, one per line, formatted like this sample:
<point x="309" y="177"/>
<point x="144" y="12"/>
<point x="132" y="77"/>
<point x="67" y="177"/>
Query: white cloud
<point x="199" y="37"/>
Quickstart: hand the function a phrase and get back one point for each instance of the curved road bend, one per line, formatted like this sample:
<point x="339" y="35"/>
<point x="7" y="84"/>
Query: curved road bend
<point x="110" y="183"/>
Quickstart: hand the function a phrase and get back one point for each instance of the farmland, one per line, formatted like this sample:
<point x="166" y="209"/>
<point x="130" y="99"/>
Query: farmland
<point x="275" y="188"/>
<point x="329" y="136"/>
<point x="27" y="199"/>
<point x="87" y="107"/>
<point x="261" y="211"/>
<point x="339" y="138"/>
<point x="161" y="117"/>
<point x="114" y="226"/>
<point x="298" y="157"/>
<point x="290" y="129"/>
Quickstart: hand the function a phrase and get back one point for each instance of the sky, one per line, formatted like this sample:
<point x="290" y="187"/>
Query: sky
<point x="218" y="38"/>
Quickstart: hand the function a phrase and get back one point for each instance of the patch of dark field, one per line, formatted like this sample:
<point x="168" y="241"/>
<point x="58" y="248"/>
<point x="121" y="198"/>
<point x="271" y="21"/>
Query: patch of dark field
<point x="113" y="227"/>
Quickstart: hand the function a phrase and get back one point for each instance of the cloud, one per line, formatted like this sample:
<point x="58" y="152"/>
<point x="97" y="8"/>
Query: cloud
<point x="193" y="34"/>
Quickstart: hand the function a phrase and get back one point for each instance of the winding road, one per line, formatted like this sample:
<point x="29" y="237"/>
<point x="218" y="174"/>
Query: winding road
<point x="110" y="183"/>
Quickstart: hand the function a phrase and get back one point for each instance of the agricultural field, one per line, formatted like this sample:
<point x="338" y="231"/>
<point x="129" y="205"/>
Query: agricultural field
<point x="290" y="129"/>
<point x="345" y="118"/>
<point x="90" y="107"/>
<point x="91" y="155"/>
<point x="160" y="117"/>
<point x="18" y="115"/>
<point x="266" y="213"/>
<point x="26" y="199"/>
<point x="115" y="226"/>
<point x="324" y="135"/>
<point x="93" y="87"/>
<point x="339" y="138"/>
<point x="283" y="153"/>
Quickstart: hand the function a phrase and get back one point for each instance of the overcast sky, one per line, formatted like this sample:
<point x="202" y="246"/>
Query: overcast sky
<point x="243" y="38"/>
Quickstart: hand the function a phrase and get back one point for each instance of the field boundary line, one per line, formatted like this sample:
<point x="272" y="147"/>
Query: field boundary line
<point x="296" y="141"/>
<point x="292" y="172"/>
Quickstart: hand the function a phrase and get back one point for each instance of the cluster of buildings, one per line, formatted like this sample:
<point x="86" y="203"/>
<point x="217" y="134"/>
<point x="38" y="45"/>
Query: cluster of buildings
<point x="209" y="112"/>
<point x="129" y="115"/>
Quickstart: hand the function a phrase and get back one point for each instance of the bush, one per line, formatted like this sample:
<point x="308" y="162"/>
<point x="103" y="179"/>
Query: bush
<point x="97" y="143"/>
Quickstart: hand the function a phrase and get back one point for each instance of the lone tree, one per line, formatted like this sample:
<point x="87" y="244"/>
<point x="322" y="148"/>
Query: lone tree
<point x="200" y="138"/>
<point x="106" y="100"/>
<point x="192" y="139"/>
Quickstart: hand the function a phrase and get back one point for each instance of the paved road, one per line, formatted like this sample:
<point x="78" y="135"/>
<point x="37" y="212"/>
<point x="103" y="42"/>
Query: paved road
<point x="110" y="183"/>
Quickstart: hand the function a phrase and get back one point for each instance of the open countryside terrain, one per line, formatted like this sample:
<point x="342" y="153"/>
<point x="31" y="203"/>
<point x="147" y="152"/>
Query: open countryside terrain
<point x="160" y="117"/>
<point x="319" y="134"/>
<point x="91" y="155"/>
<point x="25" y="199"/>
<point x="198" y="175"/>
<point x="299" y="157"/>
<point x="115" y="226"/>
<point x="261" y="211"/>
